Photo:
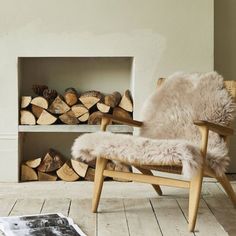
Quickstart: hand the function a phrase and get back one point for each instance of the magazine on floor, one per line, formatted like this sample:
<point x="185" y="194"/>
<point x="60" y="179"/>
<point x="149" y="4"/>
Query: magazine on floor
<point x="39" y="225"/>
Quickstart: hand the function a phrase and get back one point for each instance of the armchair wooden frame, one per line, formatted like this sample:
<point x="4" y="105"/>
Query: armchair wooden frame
<point x="146" y="176"/>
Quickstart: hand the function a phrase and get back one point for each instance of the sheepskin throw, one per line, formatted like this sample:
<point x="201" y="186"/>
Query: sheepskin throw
<point x="168" y="135"/>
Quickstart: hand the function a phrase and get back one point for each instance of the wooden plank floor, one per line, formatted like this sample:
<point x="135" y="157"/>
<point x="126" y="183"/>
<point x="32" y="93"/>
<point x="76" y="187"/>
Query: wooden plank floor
<point x="126" y="209"/>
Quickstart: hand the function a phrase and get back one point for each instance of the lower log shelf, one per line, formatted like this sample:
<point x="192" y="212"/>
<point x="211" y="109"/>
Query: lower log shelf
<point x="73" y="128"/>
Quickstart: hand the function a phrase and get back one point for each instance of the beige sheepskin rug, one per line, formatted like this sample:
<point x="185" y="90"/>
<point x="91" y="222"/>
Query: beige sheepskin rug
<point x="168" y="135"/>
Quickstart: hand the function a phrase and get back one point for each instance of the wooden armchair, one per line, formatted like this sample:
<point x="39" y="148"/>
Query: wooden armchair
<point x="194" y="185"/>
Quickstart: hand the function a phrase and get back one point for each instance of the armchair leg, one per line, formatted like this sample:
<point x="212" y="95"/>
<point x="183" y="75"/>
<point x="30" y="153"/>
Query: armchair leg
<point x="194" y="198"/>
<point x="149" y="172"/>
<point x="98" y="182"/>
<point x="228" y="188"/>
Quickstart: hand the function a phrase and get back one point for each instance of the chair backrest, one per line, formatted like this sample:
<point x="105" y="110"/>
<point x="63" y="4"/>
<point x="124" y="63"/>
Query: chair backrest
<point x="182" y="98"/>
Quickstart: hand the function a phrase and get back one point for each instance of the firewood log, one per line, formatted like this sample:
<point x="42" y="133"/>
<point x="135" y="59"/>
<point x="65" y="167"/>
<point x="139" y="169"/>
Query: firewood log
<point x="33" y="163"/>
<point x="119" y="112"/>
<point x="90" y="174"/>
<point x="39" y="88"/>
<point x="50" y="94"/>
<point x="126" y="101"/>
<point x="95" y="118"/>
<point x="71" y="96"/>
<point x="79" y="167"/>
<point x="37" y="111"/>
<point x="103" y="107"/>
<point x="51" y="162"/>
<point x="46" y="118"/>
<point x="79" y="110"/>
<point x="123" y="168"/>
<point x="27" y="173"/>
<point x="67" y="173"/>
<point x="27" y="118"/>
<point x="90" y="98"/>
<point x="58" y="106"/>
<point x="46" y="176"/>
<point x="40" y="102"/>
<point x="69" y="118"/>
<point x="84" y="117"/>
<point x="25" y="101"/>
<point x="112" y="100"/>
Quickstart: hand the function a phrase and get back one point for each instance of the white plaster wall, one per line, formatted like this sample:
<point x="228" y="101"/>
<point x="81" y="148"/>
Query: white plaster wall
<point x="162" y="35"/>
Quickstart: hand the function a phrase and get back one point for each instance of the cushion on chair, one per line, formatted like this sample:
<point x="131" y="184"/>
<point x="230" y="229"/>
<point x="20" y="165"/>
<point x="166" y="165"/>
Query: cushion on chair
<point x="168" y="134"/>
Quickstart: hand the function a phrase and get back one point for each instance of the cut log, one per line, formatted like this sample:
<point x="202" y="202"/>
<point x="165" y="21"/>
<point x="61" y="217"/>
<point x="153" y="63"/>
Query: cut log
<point x="90" y="98"/>
<point x="27" y="173"/>
<point x="84" y="117"/>
<point x="37" y="111"/>
<point x="46" y="176"/>
<point x="51" y="162"/>
<point x="39" y="88"/>
<point x="33" y="163"/>
<point x="119" y="112"/>
<point x="40" y="102"/>
<point x="126" y="101"/>
<point x="79" y="167"/>
<point x="95" y="118"/>
<point x="90" y="174"/>
<point x="46" y="118"/>
<point x="110" y="165"/>
<point x="79" y="110"/>
<point x="69" y="118"/>
<point x="112" y="100"/>
<point x="103" y="107"/>
<point x="58" y="106"/>
<point x="71" y="96"/>
<point x="50" y="94"/>
<point x="27" y="118"/>
<point x="122" y="168"/>
<point x="67" y="173"/>
<point x="25" y="101"/>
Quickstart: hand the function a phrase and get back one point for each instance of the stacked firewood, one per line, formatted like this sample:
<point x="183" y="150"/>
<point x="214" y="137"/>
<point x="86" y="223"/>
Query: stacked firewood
<point x="49" y="107"/>
<point x="54" y="166"/>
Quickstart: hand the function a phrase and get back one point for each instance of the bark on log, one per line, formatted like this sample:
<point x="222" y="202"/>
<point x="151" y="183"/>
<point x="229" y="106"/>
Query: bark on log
<point x="103" y="107"/>
<point x="27" y="118"/>
<point x="37" y="111"/>
<point x="39" y="88"/>
<point x="33" y="163"/>
<point x="113" y="99"/>
<point x="58" y="106"/>
<point x="90" y="174"/>
<point x="95" y="118"/>
<point x="90" y="98"/>
<point x="119" y="112"/>
<point x="46" y="176"/>
<point x="71" y="96"/>
<point x="67" y="173"/>
<point x="46" y="118"/>
<point x="50" y="94"/>
<point x="40" y="102"/>
<point x="126" y="101"/>
<point x="25" y="101"/>
<point x="79" y="167"/>
<point x="69" y="118"/>
<point x="27" y="173"/>
<point x="79" y="110"/>
<point x="51" y="162"/>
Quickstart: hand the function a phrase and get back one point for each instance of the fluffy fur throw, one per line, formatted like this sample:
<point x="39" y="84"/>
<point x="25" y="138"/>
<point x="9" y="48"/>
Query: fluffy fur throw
<point x="168" y="135"/>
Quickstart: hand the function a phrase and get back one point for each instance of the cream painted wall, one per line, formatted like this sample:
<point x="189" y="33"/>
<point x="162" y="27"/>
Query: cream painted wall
<point x="225" y="51"/>
<point x="163" y="36"/>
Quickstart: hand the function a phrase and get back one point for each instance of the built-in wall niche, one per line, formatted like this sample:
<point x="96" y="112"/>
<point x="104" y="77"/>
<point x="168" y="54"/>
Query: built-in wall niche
<point x="105" y="74"/>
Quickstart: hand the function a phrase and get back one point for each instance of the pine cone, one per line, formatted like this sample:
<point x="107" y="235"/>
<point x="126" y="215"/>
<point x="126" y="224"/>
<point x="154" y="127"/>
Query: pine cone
<point x="49" y="94"/>
<point x="38" y="89"/>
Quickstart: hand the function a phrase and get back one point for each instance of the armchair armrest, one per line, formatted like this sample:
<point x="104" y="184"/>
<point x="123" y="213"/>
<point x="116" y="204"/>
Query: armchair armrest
<point x="220" y="129"/>
<point x="122" y="120"/>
